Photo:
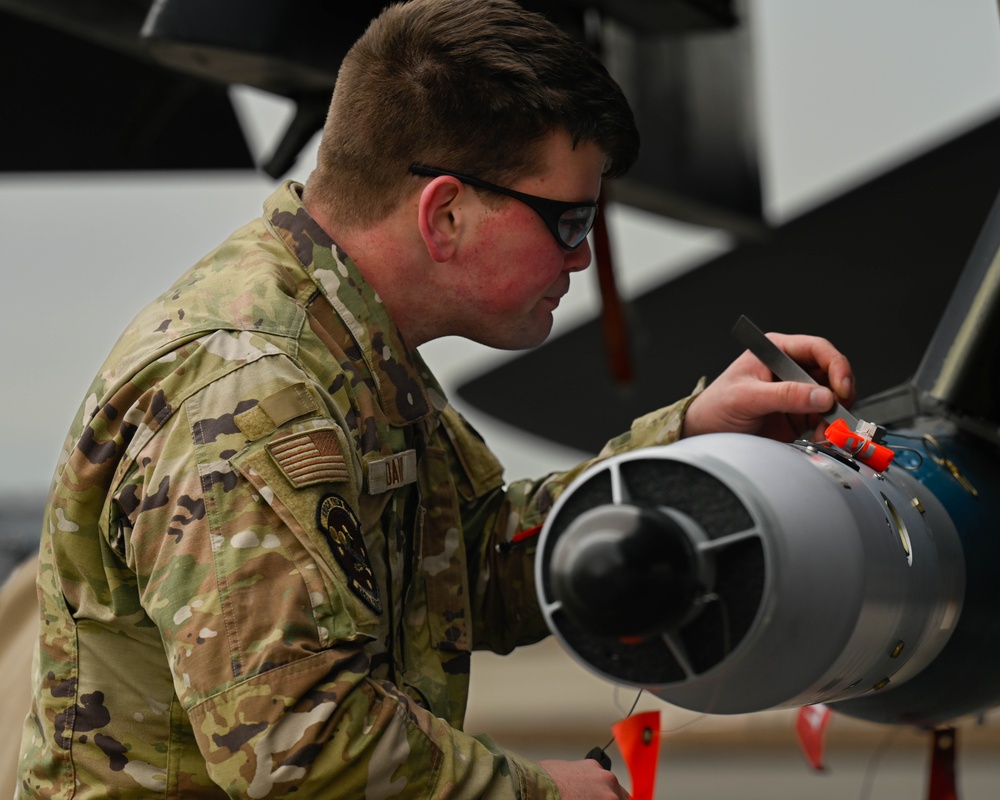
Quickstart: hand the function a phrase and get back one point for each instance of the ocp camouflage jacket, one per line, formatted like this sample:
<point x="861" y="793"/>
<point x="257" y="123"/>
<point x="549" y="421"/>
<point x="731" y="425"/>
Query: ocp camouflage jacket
<point x="271" y="546"/>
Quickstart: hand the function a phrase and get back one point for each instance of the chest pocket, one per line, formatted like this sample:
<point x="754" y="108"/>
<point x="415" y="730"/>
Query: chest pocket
<point x="480" y="470"/>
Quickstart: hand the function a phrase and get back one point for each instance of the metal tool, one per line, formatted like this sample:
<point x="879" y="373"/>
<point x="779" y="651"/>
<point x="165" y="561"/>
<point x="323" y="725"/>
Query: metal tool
<point x="781" y="364"/>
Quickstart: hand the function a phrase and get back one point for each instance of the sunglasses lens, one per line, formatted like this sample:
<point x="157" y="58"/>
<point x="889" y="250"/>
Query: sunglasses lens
<point x="575" y="224"/>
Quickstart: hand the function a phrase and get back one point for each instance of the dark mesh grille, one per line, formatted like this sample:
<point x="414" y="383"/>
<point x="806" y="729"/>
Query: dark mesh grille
<point x="593" y="493"/>
<point x="649" y="661"/>
<point x="690" y="490"/>
<point x="739" y="571"/>
<point x="723" y="623"/>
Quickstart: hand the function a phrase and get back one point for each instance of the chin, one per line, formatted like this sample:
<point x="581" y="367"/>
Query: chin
<point x="523" y="338"/>
<point x="532" y="335"/>
<point x="521" y="332"/>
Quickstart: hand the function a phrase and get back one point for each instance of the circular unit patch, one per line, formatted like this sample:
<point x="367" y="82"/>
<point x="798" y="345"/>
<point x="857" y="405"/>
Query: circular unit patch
<point x="340" y="525"/>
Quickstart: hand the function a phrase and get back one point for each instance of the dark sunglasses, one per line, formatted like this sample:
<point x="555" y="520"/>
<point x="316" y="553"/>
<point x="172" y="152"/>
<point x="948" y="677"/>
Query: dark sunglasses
<point x="569" y="222"/>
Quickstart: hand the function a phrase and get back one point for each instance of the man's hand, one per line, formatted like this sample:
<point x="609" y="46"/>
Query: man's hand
<point x="747" y="399"/>
<point x="584" y="780"/>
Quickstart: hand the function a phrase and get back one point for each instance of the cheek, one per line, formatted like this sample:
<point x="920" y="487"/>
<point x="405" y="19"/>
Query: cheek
<point x="517" y="260"/>
<point x="519" y="279"/>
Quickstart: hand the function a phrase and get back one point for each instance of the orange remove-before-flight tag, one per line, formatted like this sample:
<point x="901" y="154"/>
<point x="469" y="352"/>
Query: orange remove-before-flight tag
<point x="638" y="739"/>
<point x="810" y="727"/>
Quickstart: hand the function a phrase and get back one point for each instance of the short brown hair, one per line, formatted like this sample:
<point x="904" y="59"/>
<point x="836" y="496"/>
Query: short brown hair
<point x="467" y="85"/>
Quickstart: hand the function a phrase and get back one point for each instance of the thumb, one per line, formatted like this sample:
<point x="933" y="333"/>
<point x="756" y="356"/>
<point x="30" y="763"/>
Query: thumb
<point x="791" y="397"/>
<point x="821" y="399"/>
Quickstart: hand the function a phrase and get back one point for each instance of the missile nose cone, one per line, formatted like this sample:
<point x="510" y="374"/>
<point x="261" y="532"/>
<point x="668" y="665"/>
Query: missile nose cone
<point x="625" y="571"/>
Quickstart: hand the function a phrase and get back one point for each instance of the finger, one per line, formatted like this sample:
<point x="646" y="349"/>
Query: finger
<point x="790" y="397"/>
<point x="819" y="434"/>
<point x="842" y="380"/>
<point x="619" y="790"/>
<point x="815" y="351"/>
<point x="613" y="784"/>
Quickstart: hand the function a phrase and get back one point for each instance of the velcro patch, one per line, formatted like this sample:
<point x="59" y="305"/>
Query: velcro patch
<point x="339" y="524"/>
<point x="310" y="457"/>
<point x="275" y="410"/>
<point x="290" y="403"/>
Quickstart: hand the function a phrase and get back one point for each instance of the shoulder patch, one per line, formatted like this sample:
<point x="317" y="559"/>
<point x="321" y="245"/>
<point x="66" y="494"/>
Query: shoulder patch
<point x="310" y="457"/>
<point x="339" y="524"/>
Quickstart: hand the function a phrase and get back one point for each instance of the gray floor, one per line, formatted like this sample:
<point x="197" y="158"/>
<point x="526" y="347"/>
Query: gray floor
<point x="540" y="703"/>
<point x="895" y="772"/>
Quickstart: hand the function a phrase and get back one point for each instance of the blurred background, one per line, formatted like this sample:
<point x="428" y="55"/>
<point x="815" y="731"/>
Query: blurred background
<point x="853" y="144"/>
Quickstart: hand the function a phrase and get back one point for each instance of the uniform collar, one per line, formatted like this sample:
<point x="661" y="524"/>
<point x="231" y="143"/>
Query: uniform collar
<point x="407" y="391"/>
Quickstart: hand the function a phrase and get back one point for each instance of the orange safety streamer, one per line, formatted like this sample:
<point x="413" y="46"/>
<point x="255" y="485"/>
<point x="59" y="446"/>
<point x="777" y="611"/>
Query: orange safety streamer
<point x="810" y="727"/>
<point x="638" y="739"/>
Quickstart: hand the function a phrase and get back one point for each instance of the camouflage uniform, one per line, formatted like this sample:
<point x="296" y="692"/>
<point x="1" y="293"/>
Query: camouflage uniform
<point x="271" y="546"/>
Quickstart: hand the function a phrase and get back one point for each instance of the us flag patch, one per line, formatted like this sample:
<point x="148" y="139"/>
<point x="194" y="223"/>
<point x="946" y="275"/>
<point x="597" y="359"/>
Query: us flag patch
<point x="310" y="457"/>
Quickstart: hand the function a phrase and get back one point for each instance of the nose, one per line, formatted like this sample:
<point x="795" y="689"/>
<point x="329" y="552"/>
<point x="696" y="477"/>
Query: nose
<point x="579" y="259"/>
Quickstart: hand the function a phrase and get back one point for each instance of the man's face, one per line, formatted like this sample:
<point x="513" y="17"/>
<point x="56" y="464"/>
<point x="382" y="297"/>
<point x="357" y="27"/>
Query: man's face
<point x="516" y="272"/>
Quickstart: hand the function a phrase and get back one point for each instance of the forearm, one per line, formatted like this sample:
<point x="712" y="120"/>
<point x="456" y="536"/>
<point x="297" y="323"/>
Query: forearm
<point x="321" y="728"/>
<point x="503" y="529"/>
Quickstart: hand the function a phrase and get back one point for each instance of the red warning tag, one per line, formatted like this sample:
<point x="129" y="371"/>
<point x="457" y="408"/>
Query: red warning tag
<point x="941" y="785"/>
<point x="810" y="727"/>
<point x="876" y="456"/>
<point x="638" y="739"/>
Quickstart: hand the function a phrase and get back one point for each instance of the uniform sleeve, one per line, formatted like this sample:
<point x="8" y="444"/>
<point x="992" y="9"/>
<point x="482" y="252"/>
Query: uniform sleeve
<point x="251" y="566"/>
<point x="500" y="523"/>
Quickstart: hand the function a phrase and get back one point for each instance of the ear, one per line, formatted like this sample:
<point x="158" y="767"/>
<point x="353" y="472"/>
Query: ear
<point x="439" y="216"/>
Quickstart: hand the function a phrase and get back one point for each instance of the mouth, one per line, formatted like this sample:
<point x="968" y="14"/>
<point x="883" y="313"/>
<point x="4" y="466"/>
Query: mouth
<point x="559" y="293"/>
<point x="553" y="300"/>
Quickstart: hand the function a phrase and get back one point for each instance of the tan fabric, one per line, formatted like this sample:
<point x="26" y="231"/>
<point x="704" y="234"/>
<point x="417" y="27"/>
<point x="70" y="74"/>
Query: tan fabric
<point x="19" y="623"/>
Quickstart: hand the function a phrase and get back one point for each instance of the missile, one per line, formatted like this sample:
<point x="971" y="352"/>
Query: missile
<point x="729" y="574"/>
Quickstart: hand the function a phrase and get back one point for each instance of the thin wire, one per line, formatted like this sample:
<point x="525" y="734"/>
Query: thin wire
<point x="900" y="448"/>
<point x="909" y="467"/>
<point x="618" y="704"/>
<point x="874" y="762"/>
<point x="635" y="702"/>
<point x="684" y="725"/>
<point x="913" y="436"/>
<point x="726" y="644"/>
